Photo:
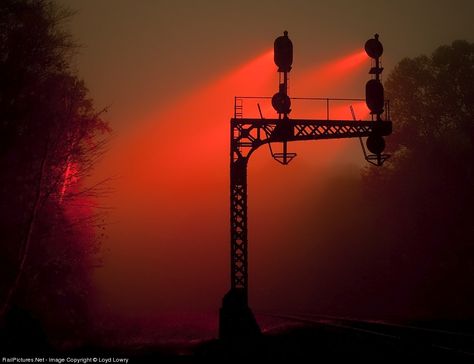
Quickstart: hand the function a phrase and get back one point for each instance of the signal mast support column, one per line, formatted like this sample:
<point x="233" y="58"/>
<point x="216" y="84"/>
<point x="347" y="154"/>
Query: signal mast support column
<point x="236" y="320"/>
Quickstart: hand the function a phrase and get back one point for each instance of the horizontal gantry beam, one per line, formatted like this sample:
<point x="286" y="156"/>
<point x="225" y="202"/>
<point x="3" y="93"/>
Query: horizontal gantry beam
<point x="249" y="134"/>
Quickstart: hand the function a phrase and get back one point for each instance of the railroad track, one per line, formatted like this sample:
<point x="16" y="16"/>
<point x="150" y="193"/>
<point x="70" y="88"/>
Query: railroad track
<point x="405" y="337"/>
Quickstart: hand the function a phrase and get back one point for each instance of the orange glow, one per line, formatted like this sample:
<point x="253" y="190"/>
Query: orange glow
<point x="173" y="192"/>
<point x="343" y="111"/>
<point x="336" y="71"/>
<point x="174" y="171"/>
<point x="70" y="177"/>
<point x="193" y="132"/>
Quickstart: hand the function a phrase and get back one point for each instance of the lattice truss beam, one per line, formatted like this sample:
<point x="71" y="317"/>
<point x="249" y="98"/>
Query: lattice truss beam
<point x="249" y="134"/>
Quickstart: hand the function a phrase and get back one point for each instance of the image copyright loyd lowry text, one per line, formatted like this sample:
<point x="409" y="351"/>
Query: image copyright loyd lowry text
<point x="61" y="360"/>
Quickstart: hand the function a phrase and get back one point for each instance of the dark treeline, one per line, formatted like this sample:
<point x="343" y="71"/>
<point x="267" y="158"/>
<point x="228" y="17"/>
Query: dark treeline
<point x="50" y="136"/>
<point x="402" y="236"/>
<point x="423" y="199"/>
<point x="416" y="212"/>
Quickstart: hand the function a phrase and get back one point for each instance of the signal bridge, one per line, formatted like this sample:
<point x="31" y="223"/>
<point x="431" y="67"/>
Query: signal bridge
<point x="247" y="134"/>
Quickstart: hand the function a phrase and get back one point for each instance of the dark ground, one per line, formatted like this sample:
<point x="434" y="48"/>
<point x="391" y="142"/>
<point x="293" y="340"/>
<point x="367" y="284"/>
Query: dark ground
<point x="295" y="343"/>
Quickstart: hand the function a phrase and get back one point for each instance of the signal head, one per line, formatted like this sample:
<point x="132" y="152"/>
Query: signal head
<point x="283" y="53"/>
<point x="374" y="96"/>
<point x="375" y="144"/>
<point x="373" y="47"/>
<point x="281" y="103"/>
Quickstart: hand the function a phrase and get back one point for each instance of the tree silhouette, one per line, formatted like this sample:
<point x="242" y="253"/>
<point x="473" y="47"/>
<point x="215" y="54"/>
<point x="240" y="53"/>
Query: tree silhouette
<point x="49" y="140"/>
<point x="425" y="194"/>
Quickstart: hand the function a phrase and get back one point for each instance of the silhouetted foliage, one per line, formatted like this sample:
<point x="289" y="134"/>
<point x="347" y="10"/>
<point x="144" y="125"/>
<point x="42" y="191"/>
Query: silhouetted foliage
<point x="423" y="196"/>
<point x="48" y="142"/>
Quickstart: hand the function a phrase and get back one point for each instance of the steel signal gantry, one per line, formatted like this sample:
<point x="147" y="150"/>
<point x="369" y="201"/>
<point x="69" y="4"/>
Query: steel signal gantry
<point x="246" y="135"/>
